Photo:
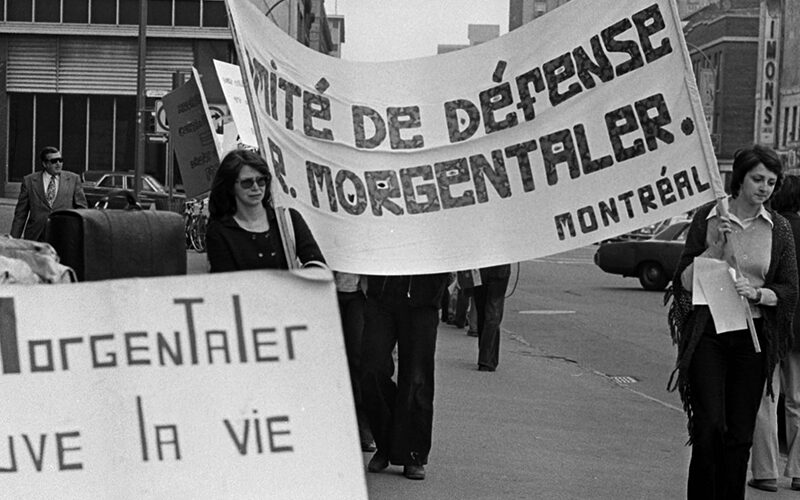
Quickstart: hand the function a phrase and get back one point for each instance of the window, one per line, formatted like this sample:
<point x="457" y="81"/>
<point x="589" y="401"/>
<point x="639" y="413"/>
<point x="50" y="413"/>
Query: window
<point x="126" y="133"/>
<point x="111" y="181"/>
<point x="20" y="10"/>
<point x="211" y="13"/>
<point x="159" y="12"/>
<point x="77" y="11"/>
<point x="101" y="130"/>
<point x="20" y="136"/>
<point x="187" y="13"/>
<point x="214" y="14"/>
<point x="104" y="12"/>
<point x="129" y="11"/>
<point x="48" y="121"/>
<point x="73" y="144"/>
<point x="48" y="11"/>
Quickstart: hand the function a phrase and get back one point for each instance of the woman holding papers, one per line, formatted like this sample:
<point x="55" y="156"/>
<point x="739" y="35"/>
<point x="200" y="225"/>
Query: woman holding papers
<point x="764" y="464"/>
<point x="721" y="375"/>
<point x="243" y="230"/>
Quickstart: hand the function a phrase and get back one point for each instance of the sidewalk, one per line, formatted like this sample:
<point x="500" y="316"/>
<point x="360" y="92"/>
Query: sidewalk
<point x="540" y="428"/>
<point x="537" y="428"/>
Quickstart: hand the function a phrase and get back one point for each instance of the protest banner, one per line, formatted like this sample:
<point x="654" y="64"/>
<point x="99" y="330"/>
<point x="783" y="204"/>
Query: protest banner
<point x="230" y="79"/>
<point x="215" y="386"/>
<point x="193" y="136"/>
<point x="567" y="131"/>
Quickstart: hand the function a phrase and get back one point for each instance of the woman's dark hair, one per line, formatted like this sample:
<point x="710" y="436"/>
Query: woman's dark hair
<point x="787" y="198"/>
<point x="747" y="159"/>
<point x="222" y="200"/>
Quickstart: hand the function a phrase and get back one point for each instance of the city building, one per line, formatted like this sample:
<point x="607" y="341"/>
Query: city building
<point x="524" y="11"/>
<point x="476" y="34"/>
<point x="722" y="39"/>
<point x="70" y="73"/>
<point x="689" y="7"/>
<point x="779" y="77"/>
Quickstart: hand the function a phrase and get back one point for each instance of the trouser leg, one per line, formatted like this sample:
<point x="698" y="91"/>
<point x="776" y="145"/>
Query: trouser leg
<point x="743" y="389"/>
<point x="707" y="381"/>
<point x="413" y="422"/>
<point x="489" y="336"/>
<point x="378" y="391"/>
<point x="790" y="371"/>
<point x="764" y="462"/>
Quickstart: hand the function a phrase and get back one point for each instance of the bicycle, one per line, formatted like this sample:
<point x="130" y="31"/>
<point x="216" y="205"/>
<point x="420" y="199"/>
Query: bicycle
<point x="196" y="218"/>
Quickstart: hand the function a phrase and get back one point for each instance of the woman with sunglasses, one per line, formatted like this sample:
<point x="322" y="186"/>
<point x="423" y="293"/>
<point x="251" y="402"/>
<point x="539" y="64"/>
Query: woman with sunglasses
<point x="242" y="230"/>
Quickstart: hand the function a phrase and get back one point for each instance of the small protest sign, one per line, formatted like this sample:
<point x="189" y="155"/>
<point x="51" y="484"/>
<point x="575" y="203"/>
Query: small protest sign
<point x="193" y="136"/>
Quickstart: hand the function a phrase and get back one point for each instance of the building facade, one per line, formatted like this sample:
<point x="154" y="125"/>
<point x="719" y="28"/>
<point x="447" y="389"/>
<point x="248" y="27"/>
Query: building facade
<point x="68" y="74"/>
<point x="722" y="40"/>
<point x="524" y="11"/>
<point x="787" y="131"/>
<point x="476" y="34"/>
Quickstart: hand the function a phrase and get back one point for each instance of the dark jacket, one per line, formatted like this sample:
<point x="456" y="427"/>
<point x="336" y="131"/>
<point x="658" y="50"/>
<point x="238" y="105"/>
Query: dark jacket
<point x="32" y="210"/>
<point x="420" y="290"/>
<point x="794" y="221"/>
<point x="687" y="323"/>
<point x="231" y="248"/>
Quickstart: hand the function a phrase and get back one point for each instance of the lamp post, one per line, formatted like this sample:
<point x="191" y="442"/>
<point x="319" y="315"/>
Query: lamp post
<point x="141" y="101"/>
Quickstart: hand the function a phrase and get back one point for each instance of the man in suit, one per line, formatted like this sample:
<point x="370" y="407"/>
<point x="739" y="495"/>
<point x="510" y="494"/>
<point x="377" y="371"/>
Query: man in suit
<point x="43" y="192"/>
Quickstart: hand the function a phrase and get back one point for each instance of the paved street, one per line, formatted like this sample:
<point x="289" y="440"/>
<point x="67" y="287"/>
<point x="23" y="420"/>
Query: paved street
<point x="577" y="408"/>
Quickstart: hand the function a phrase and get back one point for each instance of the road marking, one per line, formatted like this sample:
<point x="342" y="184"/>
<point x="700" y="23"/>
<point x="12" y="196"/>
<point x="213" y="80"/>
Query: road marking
<point x="545" y="311"/>
<point x="578" y="261"/>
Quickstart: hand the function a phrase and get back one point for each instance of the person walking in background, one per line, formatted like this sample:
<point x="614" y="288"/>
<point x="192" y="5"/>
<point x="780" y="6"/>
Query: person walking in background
<point x="402" y="310"/>
<point x="764" y="463"/>
<point x="242" y="230"/>
<point x="351" y="308"/>
<point x="43" y="192"/>
<point x="489" y="301"/>
<point x="720" y="376"/>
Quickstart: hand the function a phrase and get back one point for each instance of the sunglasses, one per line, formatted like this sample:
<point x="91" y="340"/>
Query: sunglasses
<point x="55" y="160"/>
<point x="248" y="182"/>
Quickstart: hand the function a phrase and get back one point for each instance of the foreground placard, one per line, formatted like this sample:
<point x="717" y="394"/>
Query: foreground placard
<point x="216" y="386"/>
<point x="569" y="130"/>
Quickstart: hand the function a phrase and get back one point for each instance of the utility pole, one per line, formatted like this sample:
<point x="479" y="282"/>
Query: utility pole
<point x="141" y="101"/>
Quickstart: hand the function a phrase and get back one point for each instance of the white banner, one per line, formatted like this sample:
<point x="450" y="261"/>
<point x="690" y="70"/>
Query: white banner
<point x="213" y="386"/>
<point x="567" y="131"/>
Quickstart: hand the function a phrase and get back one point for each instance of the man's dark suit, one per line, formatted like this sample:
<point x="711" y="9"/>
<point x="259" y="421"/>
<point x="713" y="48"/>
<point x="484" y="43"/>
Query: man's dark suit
<point x="32" y="203"/>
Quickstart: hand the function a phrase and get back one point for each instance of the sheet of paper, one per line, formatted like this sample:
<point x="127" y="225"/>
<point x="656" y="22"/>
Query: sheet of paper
<point x="726" y="305"/>
<point x="698" y="296"/>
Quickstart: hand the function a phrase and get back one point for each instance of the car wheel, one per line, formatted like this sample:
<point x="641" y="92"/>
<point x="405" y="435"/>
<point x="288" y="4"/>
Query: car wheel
<point x="652" y="276"/>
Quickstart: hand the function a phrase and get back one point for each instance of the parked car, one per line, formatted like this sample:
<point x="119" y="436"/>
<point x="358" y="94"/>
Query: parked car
<point x="652" y="260"/>
<point x="97" y="184"/>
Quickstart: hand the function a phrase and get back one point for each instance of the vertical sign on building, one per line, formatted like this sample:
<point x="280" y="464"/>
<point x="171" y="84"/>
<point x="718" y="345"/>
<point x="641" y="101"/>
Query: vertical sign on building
<point x="768" y="60"/>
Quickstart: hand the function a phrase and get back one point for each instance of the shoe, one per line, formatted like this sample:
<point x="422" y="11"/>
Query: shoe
<point x="368" y="446"/>
<point x="796" y="483"/>
<point x="484" y="368"/>
<point x="378" y="462"/>
<point x="414" y="471"/>
<point x="764" y="484"/>
<point x="471" y="333"/>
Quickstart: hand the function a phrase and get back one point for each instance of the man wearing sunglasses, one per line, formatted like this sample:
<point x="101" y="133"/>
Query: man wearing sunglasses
<point x="43" y="192"/>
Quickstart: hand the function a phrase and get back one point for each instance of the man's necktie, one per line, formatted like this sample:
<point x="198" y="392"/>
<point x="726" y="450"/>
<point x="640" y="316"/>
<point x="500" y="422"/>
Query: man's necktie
<point x="51" y="190"/>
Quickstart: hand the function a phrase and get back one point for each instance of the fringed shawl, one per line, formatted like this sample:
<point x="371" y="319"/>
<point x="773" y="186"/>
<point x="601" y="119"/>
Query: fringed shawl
<point x="687" y="323"/>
